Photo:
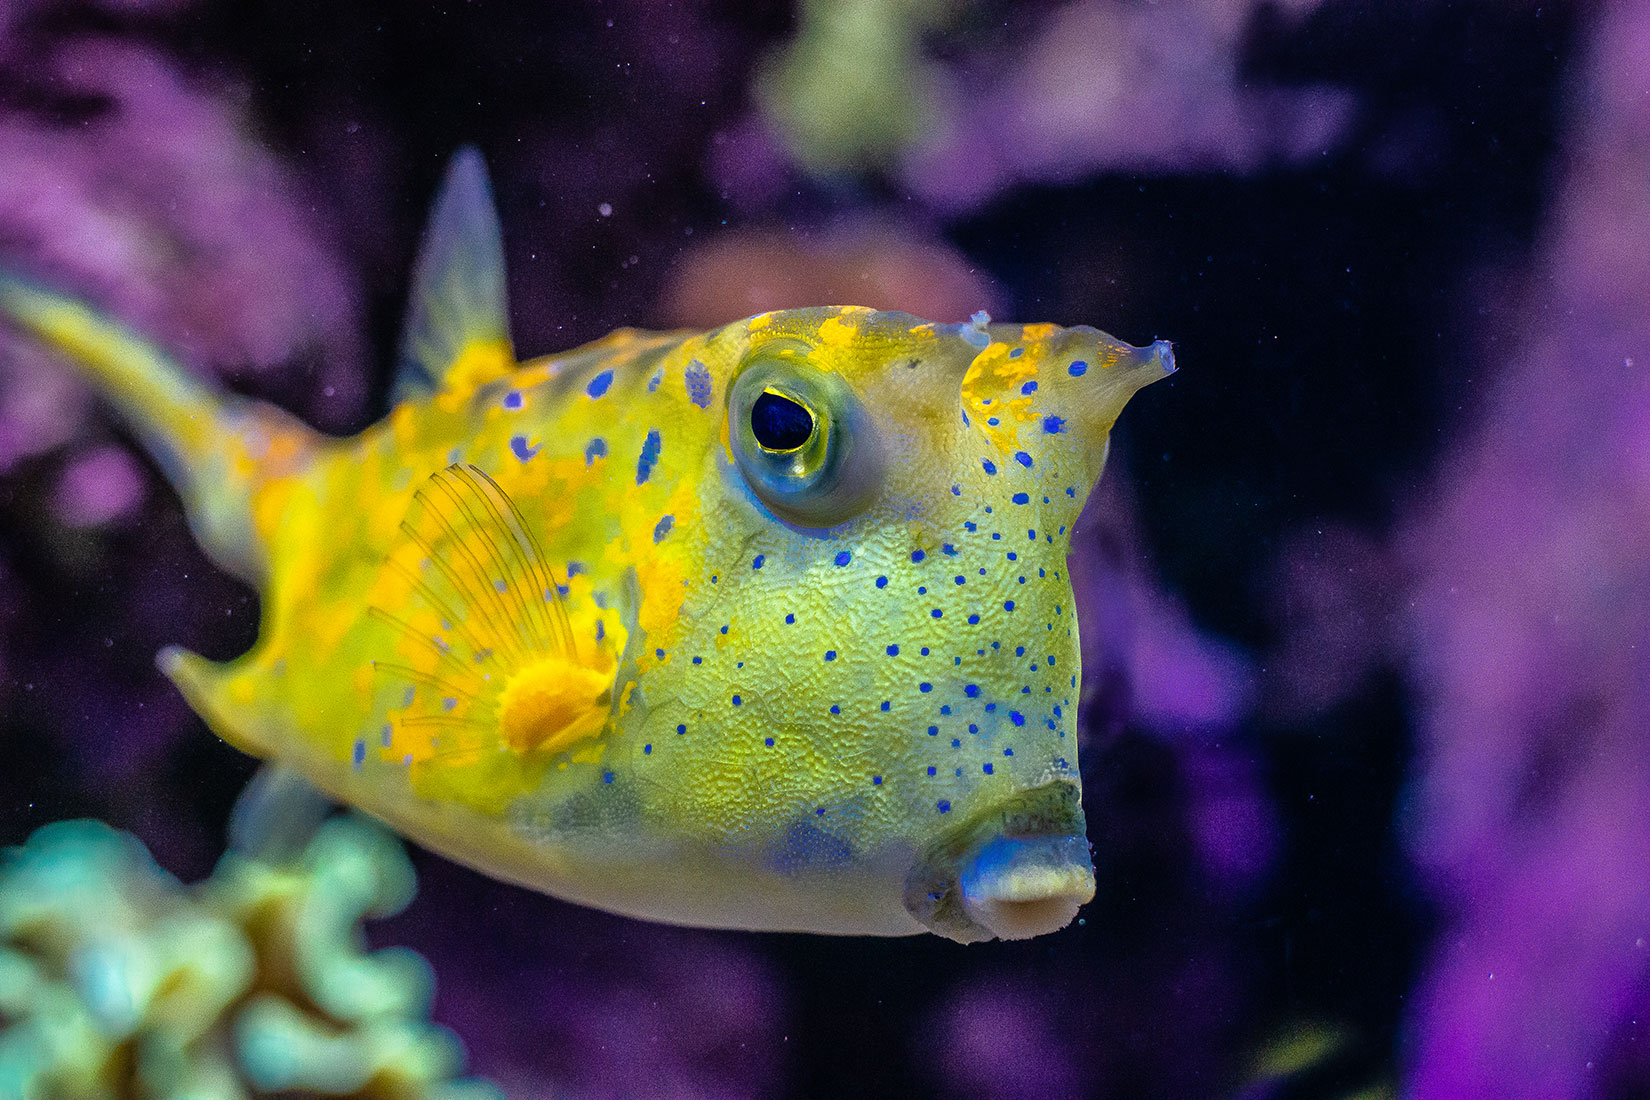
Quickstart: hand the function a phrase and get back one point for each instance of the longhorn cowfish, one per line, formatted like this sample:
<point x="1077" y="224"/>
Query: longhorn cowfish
<point x="766" y="627"/>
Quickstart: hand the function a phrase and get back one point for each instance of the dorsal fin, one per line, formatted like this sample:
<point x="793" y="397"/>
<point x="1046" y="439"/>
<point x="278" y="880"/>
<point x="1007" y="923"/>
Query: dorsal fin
<point x="457" y="332"/>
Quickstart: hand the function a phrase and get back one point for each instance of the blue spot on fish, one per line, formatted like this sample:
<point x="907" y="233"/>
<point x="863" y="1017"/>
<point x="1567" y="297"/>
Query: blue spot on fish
<point x="593" y="450"/>
<point x="1023" y="459"/>
<point x="698" y="384"/>
<point x="1053" y="425"/>
<point x="512" y="400"/>
<point x="1029" y="387"/>
<point x="519" y="447"/>
<point x="1078" y="369"/>
<point x="662" y="528"/>
<point x="1021" y="498"/>
<point x="598" y="385"/>
<point x="843" y="557"/>
<point x="649" y="456"/>
<point x="990" y="466"/>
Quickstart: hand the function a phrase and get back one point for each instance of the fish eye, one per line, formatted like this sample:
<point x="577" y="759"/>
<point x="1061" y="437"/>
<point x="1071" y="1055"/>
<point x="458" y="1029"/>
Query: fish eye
<point x="780" y="423"/>
<point x="802" y="440"/>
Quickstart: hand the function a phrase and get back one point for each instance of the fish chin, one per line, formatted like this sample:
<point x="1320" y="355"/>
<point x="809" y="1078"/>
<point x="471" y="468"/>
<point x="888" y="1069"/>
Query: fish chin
<point x="1019" y="887"/>
<point x="1019" y="869"/>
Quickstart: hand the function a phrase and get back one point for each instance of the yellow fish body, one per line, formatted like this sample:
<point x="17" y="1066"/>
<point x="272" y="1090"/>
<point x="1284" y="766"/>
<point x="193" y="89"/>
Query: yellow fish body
<point x="766" y="627"/>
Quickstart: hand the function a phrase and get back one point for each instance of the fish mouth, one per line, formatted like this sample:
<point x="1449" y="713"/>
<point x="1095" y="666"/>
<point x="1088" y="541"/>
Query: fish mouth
<point x="1019" y="869"/>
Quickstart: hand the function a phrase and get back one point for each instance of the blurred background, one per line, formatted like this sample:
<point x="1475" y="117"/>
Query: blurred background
<point x="1365" y="593"/>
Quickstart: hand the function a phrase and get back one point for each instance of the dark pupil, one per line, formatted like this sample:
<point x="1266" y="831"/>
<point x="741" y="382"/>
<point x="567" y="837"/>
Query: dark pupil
<point x="779" y="423"/>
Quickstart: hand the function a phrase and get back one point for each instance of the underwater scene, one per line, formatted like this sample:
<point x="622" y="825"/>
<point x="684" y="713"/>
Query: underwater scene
<point x="845" y="548"/>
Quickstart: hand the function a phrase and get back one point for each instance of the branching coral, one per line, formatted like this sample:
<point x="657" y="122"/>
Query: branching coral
<point x="118" y="982"/>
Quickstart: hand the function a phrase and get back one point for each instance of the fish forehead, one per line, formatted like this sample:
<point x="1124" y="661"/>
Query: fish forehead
<point x="924" y="380"/>
<point x="912" y="368"/>
<point x="869" y="346"/>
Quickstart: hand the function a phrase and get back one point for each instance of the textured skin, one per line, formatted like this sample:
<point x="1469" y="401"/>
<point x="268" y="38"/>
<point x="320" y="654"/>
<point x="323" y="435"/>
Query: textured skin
<point x="717" y="717"/>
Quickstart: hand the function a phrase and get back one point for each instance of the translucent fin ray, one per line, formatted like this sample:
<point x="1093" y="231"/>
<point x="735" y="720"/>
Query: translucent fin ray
<point x="457" y="331"/>
<point x="471" y="606"/>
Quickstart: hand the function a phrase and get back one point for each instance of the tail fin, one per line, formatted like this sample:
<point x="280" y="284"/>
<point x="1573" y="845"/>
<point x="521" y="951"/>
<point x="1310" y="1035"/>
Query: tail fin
<point x="215" y="448"/>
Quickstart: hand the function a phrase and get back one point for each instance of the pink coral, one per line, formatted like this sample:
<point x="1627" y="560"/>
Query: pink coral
<point x="743" y="272"/>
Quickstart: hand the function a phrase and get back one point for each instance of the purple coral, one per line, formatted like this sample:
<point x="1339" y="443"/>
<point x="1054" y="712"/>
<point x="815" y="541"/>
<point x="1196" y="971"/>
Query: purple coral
<point x="1533" y="598"/>
<point x="163" y="210"/>
<point x="1103" y="84"/>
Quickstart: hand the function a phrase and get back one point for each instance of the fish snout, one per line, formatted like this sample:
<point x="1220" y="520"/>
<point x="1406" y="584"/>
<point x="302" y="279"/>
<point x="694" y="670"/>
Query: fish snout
<point x="1019" y="869"/>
